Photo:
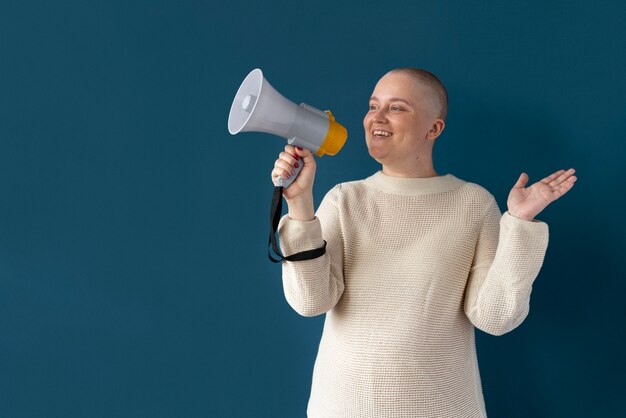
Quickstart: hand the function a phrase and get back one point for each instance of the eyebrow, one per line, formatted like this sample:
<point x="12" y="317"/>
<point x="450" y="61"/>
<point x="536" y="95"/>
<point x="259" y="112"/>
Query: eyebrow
<point x="393" y="99"/>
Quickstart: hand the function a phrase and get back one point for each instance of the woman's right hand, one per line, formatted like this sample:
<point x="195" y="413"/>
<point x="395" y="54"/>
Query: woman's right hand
<point x="302" y="187"/>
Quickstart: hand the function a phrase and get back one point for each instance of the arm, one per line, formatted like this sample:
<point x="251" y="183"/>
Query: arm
<point x="313" y="287"/>
<point x="509" y="254"/>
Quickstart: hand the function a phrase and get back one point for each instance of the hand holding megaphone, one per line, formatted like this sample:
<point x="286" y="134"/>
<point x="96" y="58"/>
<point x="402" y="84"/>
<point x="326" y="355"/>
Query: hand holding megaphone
<point x="289" y="164"/>
<point x="258" y="107"/>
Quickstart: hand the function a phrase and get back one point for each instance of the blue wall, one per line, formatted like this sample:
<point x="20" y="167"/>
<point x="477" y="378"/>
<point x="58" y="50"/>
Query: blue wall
<point x="133" y="228"/>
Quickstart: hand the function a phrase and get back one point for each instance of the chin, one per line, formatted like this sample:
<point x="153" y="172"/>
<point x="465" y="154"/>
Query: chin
<point x="377" y="156"/>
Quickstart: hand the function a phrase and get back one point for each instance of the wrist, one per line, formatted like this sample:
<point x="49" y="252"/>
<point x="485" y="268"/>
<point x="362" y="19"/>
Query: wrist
<point x="301" y="208"/>
<point x="521" y="216"/>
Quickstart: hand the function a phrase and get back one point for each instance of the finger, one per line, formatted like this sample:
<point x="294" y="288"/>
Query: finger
<point x="283" y="171"/>
<point x="552" y="176"/>
<point x="278" y="172"/>
<point x="569" y="182"/>
<point x="306" y="155"/>
<point x="291" y="150"/>
<point x="564" y="176"/>
<point x="288" y="158"/>
<point x="303" y="152"/>
<point x="284" y="165"/>
<point x="564" y="188"/>
<point x="521" y="181"/>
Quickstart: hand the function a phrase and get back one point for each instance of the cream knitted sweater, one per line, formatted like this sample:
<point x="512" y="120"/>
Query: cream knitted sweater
<point x="412" y="266"/>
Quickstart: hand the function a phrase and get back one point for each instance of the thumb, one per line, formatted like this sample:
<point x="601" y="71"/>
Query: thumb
<point x="521" y="181"/>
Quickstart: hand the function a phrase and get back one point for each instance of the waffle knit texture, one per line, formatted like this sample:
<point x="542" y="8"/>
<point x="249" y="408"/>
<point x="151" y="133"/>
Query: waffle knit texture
<point x="412" y="266"/>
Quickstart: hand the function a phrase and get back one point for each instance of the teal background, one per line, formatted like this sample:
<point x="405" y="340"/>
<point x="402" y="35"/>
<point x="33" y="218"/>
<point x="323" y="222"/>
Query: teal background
<point x="134" y="280"/>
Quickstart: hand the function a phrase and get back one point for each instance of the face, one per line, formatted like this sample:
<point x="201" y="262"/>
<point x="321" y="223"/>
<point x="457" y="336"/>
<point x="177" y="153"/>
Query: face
<point x="400" y="121"/>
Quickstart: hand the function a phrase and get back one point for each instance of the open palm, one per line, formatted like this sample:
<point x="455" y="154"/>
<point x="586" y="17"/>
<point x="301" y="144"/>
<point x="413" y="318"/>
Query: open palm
<point x="528" y="202"/>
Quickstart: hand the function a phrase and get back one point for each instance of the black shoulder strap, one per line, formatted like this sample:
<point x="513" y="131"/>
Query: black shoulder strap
<point x="275" y="213"/>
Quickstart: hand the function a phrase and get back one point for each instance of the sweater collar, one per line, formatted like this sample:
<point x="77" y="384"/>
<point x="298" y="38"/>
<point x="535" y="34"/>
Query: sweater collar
<point x="413" y="186"/>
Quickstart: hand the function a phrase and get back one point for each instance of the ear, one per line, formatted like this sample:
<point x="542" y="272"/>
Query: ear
<point x="436" y="130"/>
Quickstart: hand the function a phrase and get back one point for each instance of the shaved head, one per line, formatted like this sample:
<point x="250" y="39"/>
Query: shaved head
<point x="439" y="95"/>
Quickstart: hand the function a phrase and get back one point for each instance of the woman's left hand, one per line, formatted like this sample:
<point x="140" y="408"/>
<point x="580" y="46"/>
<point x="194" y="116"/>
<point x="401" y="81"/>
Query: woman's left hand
<point x="528" y="202"/>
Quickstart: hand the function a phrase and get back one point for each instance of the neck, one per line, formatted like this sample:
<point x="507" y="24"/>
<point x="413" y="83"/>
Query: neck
<point x="410" y="172"/>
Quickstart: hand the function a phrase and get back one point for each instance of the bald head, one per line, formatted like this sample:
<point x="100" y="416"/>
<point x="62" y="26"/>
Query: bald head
<point x="439" y="95"/>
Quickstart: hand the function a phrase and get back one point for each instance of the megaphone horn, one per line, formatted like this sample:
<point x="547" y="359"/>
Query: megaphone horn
<point x="258" y="107"/>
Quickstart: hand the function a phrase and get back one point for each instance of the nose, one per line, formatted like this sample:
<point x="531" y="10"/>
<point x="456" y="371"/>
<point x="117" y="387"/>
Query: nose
<point x="380" y="116"/>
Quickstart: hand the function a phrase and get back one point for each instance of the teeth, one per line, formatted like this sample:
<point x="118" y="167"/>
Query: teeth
<point x="381" y="133"/>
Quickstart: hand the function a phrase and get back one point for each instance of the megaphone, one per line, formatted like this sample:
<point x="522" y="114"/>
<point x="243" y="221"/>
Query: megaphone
<point x="258" y="107"/>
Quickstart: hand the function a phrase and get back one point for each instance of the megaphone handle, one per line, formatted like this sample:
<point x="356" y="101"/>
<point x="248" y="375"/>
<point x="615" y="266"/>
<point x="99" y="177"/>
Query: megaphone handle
<point x="287" y="182"/>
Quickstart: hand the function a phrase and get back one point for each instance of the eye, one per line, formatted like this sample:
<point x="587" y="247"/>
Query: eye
<point x="373" y="106"/>
<point x="396" y="108"/>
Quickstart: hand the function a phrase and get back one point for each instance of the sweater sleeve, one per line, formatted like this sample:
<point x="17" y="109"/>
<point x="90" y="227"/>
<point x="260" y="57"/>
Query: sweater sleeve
<point x="508" y="256"/>
<point x="313" y="287"/>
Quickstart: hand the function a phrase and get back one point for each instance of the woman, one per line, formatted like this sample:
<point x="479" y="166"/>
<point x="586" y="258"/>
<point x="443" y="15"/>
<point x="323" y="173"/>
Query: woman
<point x="414" y="261"/>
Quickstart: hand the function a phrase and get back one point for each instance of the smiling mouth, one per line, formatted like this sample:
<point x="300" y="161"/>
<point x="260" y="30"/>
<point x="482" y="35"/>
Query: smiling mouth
<point x="379" y="133"/>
